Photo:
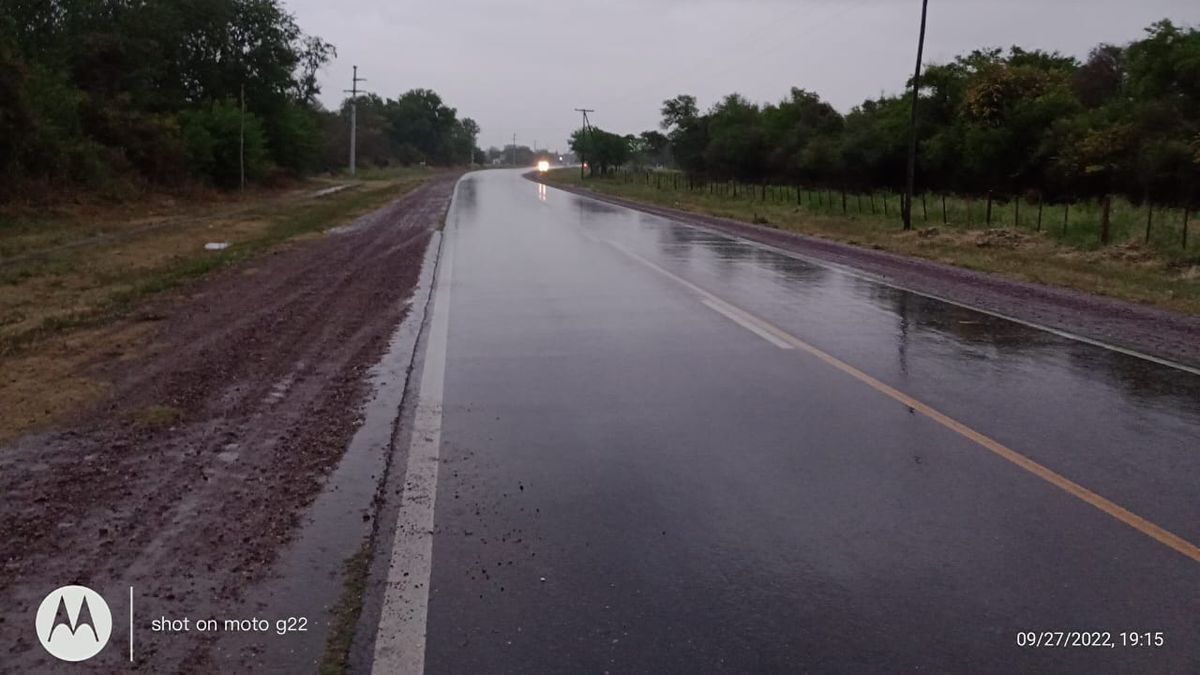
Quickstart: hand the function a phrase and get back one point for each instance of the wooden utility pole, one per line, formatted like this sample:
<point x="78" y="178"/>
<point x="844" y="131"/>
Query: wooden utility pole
<point x="586" y="132"/>
<point x="912" y="143"/>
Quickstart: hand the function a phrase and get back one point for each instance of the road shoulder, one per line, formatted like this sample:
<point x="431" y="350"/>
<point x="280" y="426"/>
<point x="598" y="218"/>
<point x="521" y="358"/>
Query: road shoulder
<point x="1148" y="330"/>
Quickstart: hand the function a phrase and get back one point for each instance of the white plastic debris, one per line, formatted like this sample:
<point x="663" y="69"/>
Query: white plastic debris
<point x="216" y="245"/>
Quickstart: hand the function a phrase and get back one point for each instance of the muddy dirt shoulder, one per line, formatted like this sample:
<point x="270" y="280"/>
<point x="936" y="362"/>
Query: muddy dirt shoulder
<point x="188" y="480"/>
<point x="1160" y="333"/>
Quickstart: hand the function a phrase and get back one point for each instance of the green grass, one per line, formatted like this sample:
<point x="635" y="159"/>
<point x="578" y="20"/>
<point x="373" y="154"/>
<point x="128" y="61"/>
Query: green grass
<point x="1077" y="224"/>
<point x="346" y="613"/>
<point x="1161" y="273"/>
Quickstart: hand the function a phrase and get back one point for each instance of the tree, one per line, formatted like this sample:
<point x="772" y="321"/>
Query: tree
<point x="687" y="131"/>
<point x="111" y="90"/>
<point x="737" y="143"/>
<point x="652" y="147"/>
<point x="213" y="137"/>
<point x="604" y="151"/>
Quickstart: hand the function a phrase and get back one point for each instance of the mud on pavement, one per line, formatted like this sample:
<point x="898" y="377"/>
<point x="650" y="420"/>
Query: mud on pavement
<point x="188" y="480"/>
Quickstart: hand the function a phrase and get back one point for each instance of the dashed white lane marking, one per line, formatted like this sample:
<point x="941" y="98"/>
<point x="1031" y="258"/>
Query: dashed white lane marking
<point x="746" y="321"/>
<point x="736" y="314"/>
<point x="883" y="281"/>
<point x="1116" y="511"/>
<point x="400" y="638"/>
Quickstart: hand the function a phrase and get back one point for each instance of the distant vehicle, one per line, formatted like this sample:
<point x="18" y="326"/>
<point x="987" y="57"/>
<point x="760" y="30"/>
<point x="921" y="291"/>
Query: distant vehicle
<point x="543" y="166"/>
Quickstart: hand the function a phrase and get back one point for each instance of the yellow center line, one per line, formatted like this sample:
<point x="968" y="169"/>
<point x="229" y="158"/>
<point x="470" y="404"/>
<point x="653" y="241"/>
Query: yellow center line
<point x="1156" y="532"/>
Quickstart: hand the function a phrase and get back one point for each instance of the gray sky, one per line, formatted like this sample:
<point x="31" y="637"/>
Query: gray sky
<point x="521" y="66"/>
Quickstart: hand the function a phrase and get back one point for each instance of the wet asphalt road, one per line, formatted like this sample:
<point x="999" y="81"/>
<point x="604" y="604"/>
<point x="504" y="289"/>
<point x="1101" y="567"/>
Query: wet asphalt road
<point x="633" y="481"/>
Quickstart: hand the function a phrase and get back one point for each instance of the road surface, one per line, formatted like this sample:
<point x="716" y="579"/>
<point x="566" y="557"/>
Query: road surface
<point x="640" y="446"/>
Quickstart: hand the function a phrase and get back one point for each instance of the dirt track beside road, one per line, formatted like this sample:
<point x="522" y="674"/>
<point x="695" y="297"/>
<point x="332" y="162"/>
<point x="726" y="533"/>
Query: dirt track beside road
<point x="186" y="481"/>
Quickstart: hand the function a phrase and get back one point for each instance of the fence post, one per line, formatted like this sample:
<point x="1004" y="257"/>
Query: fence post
<point x="989" y="209"/>
<point x="1105" y="219"/>
<point x="945" y="216"/>
<point x="1066" y="216"/>
<point x="872" y="196"/>
<point x="1016" y="213"/>
<point x="924" y="207"/>
<point x="764" y="190"/>
<point x="844" y="209"/>
<point x="1039" y="224"/>
<point x="1149" y="220"/>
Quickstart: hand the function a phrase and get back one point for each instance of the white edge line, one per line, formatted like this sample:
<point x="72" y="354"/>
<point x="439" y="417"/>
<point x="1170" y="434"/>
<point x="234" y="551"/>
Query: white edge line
<point x="400" y="638"/>
<point x="846" y="269"/>
<point x="747" y="323"/>
<point x="131" y="624"/>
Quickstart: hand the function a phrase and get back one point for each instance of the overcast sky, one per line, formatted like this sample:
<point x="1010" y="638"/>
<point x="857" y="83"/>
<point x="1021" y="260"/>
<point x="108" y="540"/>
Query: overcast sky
<point x="522" y="66"/>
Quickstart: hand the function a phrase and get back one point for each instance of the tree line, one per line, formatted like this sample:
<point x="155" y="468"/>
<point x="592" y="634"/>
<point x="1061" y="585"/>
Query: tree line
<point x="96" y="92"/>
<point x="415" y="128"/>
<point x="1124" y="121"/>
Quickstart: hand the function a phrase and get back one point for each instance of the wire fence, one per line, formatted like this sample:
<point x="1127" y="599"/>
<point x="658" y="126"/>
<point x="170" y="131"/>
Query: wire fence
<point x="1081" y="223"/>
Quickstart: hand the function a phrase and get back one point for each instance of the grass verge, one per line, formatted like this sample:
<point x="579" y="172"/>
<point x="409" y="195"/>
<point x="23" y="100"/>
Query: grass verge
<point x="62" y="293"/>
<point x="346" y="612"/>
<point x="1127" y="271"/>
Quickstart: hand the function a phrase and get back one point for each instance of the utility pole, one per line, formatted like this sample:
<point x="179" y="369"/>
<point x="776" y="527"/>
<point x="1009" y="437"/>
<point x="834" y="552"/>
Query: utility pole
<point x="912" y="144"/>
<point x="242" y="140"/>
<point x="514" y="150"/>
<point x="586" y="132"/>
<point x="353" y="91"/>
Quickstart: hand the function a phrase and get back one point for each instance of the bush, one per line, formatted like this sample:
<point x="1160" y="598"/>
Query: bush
<point x="294" y="138"/>
<point x="212" y="138"/>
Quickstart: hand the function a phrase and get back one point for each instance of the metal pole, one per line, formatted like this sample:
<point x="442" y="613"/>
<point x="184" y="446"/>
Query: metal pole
<point x="353" y="91"/>
<point x="242" y="140"/>
<point x="912" y="145"/>
<point x="353" y="137"/>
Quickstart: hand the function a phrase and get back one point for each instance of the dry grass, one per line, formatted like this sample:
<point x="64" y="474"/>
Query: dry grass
<point x="45" y="384"/>
<point x="1128" y="271"/>
<point x="78" y="269"/>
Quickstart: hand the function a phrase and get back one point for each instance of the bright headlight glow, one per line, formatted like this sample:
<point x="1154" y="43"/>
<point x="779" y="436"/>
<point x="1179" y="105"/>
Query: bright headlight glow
<point x="543" y="166"/>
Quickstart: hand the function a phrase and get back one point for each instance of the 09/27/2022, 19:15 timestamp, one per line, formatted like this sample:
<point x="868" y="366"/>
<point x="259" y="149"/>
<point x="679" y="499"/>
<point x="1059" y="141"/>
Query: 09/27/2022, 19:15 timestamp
<point x="1107" y="639"/>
